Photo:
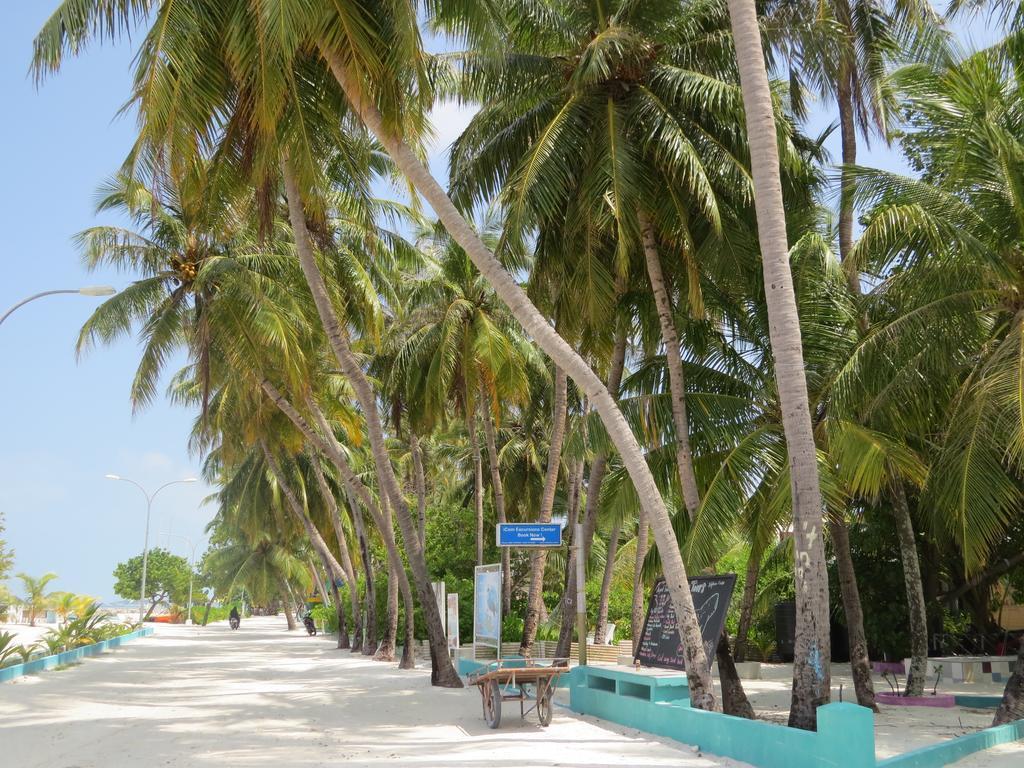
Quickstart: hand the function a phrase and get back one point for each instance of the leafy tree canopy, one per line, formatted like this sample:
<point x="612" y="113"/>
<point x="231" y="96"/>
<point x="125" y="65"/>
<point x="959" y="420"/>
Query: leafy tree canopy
<point x="167" y="578"/>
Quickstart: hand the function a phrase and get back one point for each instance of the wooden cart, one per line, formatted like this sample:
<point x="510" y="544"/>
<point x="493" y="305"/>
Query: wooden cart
<point x="498" y="683"/>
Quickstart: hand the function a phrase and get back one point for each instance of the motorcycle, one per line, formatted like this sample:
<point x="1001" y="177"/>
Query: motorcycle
<point x="234" y="622"/>
<point x="310" y="625"/>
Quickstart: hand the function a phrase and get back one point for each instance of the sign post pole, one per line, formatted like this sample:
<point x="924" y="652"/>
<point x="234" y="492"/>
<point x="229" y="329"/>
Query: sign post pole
<point x="581" y="594"/>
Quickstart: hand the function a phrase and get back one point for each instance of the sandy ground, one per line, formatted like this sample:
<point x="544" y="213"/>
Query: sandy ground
<point x="266" y="697"/>
<point x="26" y="635"/>
<point x="263" y="696"/>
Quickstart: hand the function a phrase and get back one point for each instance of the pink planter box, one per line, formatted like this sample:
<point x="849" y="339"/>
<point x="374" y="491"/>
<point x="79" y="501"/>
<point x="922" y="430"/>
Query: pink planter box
<point x="939" y="700"/>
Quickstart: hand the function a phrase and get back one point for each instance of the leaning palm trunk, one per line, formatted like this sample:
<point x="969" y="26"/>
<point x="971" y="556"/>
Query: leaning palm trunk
<point x="601" y="626"/>
<point x="564" y="356"/>
<point x="538" y="558"/>
<point x="339" y="607"/>
<point x="637" y="614"/>
<point x="397" y="574"/>
<point x="370" y="594"/>
<point x="848" y="136"/>
<point x="734" y="700"/>
<point x="332" y="567"/>
<point x="442" y="672"/>
<point x="295" y="507"/>
<point x="420" y="481"/>
<point x="674" y="362"/>
<point x="386" y="649"/>
<point x="915" y="593"/>
<point x="1012" y="706"/>
<point x="478" y="486"/>
<point x="747" y="604"/>
<point x="860" y="665"/>
<point x="568" y="604"/>
<point x="598" y="470"/>
<point x="812" y="662"/>
<point x="343" y="550"/>
<point x="286" y="595"/>
<point x="498" y="489"/>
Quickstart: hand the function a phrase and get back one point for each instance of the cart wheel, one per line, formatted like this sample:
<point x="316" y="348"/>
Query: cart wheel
<point x="492" y="704"/>
<point x="544" y="707"/>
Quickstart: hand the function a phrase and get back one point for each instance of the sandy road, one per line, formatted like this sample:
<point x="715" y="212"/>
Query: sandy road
<point x="263" y="696"/>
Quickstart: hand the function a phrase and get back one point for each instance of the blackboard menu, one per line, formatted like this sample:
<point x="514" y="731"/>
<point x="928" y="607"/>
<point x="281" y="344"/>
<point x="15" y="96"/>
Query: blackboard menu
<point x="659" y="643"/>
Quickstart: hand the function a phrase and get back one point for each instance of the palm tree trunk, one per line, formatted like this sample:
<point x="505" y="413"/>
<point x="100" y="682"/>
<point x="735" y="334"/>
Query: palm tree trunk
<point x="568" y="625"/>
<point x="421" y="486"/>
<point x="357" y="493"/>
<point x="289" y="613"/>
<point x="860" y="665"/>
<point x="369" y="640"/>
<point x="600" y="627"/>
<point x="538" y="557"/>
<point x="915" y="593"/>
<point x="386" y="650"/>
<point x="637" y="614"/>
<point x="339" y="607"/>
<point x="408" y="660"/>
<point x="734" y="700"/>
<point x="343" y="550"/>
<point x="382" y="518"/>
<point x="333" y="566"/>
<point x="321" y="588"/>
<point x="564" y="357"/>
<point x="1012" y="706"/>
<point x="598" y="470"/>
<point x="498" y="489"/>
<point x="478" y="485"/>
<point x="848" y="134"/>
<point x="747" y="603"/>
<point x="676" y="381"/>
<point x="812" y="662"/>
<point x="442" y="671"/>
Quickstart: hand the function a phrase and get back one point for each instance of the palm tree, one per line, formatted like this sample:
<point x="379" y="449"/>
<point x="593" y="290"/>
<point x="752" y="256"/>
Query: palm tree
<point x="36" y="598"/>
<point x="360" y="46"/>
<point x="811" y="666"/>
<point x="947" y="245"/>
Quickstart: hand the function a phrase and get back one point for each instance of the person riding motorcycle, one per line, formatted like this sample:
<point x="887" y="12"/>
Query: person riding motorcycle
<point x="233" y="618"/>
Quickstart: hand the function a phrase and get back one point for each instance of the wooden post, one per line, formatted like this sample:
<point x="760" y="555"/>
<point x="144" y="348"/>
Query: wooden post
<point x="581" y="593"/>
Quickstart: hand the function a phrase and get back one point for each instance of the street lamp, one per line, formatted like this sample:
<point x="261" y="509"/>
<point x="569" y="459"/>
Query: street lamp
<point x="145" y="546"/>
<point x="191" y="570"/>
<point x="89" y="290"/>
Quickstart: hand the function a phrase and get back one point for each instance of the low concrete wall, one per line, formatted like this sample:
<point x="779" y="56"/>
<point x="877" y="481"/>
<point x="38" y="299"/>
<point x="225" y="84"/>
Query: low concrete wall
<point x="659" y="704"/>
<point x="845" y="736"/>
<point x="69" y="657"/>
<point x="950" y="751"/>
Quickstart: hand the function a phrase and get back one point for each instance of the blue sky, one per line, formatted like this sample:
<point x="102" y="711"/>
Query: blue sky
<point x="65" y="424"/>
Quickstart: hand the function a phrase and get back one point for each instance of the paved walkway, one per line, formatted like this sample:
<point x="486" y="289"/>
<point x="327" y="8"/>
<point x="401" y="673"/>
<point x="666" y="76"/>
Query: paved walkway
<point x="263" y="696"/>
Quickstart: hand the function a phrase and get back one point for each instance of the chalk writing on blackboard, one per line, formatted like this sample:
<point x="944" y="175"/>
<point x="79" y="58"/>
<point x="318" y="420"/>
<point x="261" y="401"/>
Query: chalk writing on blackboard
<point x="660" y="645"/>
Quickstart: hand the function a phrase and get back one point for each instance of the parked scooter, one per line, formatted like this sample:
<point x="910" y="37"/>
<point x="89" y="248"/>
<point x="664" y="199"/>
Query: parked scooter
<point x="307" y="620"/>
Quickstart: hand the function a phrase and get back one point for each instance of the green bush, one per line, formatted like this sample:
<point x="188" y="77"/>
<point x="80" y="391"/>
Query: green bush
<point x="325" y="616"/>
<point x="217" y="613"/>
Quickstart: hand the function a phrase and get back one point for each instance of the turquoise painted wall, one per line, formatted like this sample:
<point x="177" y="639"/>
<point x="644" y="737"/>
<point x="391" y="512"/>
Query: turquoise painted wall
<point x="845" y="737"/>
<point x="956" y="749"/>
<point x="69" y="657"/>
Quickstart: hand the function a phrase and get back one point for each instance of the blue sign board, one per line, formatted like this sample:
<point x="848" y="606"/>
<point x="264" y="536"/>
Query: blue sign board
<point x="529" y="535"/>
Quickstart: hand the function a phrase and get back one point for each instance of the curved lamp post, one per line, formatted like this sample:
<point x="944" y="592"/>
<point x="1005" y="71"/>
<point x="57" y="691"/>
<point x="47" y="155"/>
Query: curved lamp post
<point x="89" y="290"/>
<point x="191" y="570"/>
<point x="145" y="547"/>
